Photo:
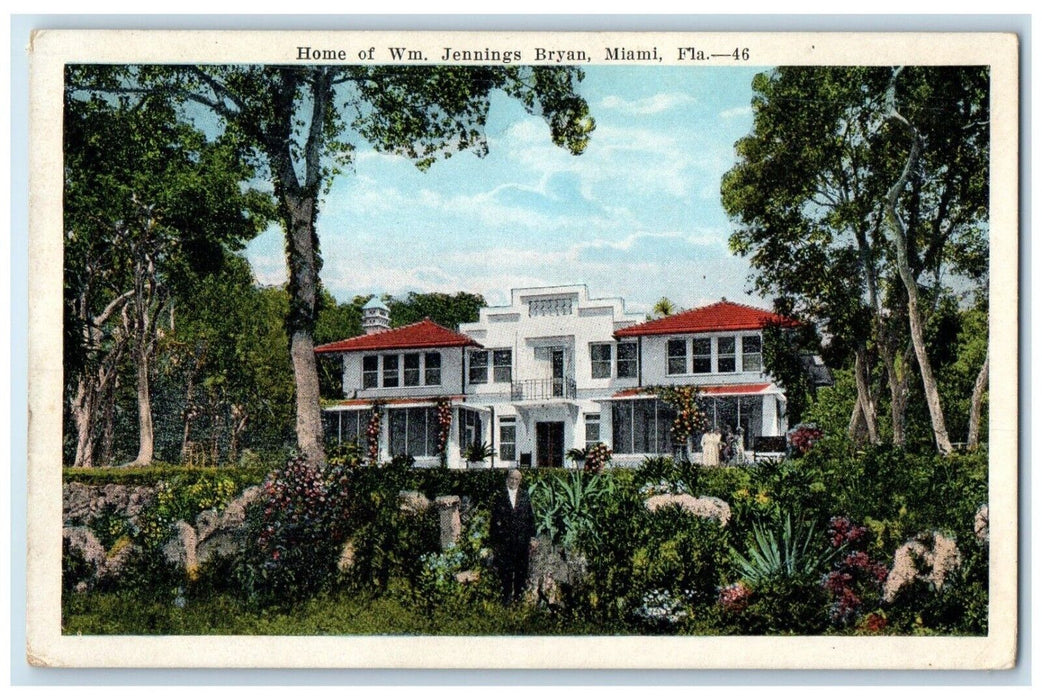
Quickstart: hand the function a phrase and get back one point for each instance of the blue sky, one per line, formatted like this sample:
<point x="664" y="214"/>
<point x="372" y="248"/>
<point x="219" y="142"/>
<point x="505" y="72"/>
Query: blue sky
<point x="637" y="215"/>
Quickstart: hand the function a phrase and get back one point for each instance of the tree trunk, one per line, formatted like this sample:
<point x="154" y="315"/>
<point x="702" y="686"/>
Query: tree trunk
<point x="915" y="320"/>
<point x="83" y="415"/>
<point x="976" y="406"/>
<point x="303" y="271"/>
<point x="144" y="411"/>
<point x="864" y="395"/>
<point x="897" y="377"/>
<point x="108" y="421"/>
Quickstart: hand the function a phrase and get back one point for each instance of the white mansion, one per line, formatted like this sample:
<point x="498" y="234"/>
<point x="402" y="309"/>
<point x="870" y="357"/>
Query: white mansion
<point x="553" y="370"/>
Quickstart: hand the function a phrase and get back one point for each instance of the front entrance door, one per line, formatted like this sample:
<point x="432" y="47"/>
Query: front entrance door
<point x="549" y="447"/>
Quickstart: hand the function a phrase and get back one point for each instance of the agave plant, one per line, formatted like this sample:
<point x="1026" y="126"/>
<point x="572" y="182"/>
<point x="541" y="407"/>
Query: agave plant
<point x="787" y="552"/>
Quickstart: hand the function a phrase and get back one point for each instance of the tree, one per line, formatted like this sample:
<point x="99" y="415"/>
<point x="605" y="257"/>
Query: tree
<point x="845" y="214"/>
<point x="662" y="308"/>
<point x="303" y="122"/>
<point x="147" y="199"/>
<point x="444" y="309"/>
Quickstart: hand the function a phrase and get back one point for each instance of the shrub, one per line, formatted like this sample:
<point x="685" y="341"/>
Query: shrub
<point x="566" y="507"/>
<point x="295" y="532"/>
<point x="679" y="551"/>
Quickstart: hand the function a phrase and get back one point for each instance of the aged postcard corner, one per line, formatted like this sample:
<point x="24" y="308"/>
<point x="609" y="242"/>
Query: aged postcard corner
<point x="593" y="292"/>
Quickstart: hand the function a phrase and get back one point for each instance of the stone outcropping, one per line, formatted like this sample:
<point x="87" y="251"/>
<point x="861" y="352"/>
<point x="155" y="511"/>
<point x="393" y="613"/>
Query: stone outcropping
<point x="930" y="557"/>
<point x="101" y="564"/>
<point x="82" y="502"/>
<point x="703" y="506"/>
<point x="552" y="572"/>
<point x="215" y="534"/>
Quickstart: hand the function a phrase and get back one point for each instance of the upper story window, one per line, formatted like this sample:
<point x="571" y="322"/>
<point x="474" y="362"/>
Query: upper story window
<point x="752" y="353"/>
<point x="626" y="360"/>
<point x="501" y="365"/>
<point x="394" y="370"/>
<point x="600" y="360"/>
<point x="370" y="372"/>
<point x="725" y="361"/>
<point x="702" y="360"/>
<point x="432" y="367"/>
<point x="412" y="369"/>
<point x="550" y="307"/>
<point x="676" y="356"/>
<point x="478" y="373"/>
<point x="390" y="370"/>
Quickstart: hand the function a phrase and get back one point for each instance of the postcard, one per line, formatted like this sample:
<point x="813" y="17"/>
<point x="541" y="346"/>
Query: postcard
<point x="523" y="350"/>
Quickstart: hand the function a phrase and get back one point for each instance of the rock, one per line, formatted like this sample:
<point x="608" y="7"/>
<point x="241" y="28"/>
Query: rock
<point x="82" y="541"/>
<point x="982" y="525"/>
<point x="449" y="520"/>
<point x="551" y="572"/>
<point x="181" y="549"/>
<point x="467" y="577"/>
<point x="703" y="506"/>
<point x="224" y="543"/>
<point x="413" y="502"/>
<point x="205" y="523"/>
<point x="347" y="557"/>
<point x="929" y="557"/>
<point x="121" y="553"/>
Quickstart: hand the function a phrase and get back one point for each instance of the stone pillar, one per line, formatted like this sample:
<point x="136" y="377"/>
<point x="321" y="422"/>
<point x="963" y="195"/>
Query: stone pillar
<point x="448" y="517"/>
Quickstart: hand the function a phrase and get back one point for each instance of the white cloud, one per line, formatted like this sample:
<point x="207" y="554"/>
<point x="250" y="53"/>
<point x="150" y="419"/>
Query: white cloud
<point x="735" y="112"/>
<point x="647" y="105"/>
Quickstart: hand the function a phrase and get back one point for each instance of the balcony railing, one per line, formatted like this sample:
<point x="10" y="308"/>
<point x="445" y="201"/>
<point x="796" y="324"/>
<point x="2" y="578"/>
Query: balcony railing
<point x="537" y="389"/>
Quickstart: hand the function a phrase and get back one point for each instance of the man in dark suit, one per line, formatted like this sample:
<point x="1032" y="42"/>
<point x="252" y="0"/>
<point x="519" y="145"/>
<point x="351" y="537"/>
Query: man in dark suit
<point x="513" y="536"/>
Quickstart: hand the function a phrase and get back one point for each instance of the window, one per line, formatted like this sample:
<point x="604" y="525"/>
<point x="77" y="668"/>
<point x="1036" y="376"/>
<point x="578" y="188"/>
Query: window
<point x="412" y="369"/>
<point x="600" y="360"/>
<point x="703" y="355"/>
<point x="432" y="367"/>
<point x="345" y="426"/>
<point x="370" y="372"/>
<point x="676" y="356"/>
<point x="479" y="367"/>
<point x="725" y="354"/>
<point x="507" y="439"/>
<point x="752" y="357"/>
<point x="593" y="428"/>
<point x="626" y="360"/>
<point x="641" y="427"/>
<point x="469" y="428"/>
<point x="501" y="365"/>
<point x="413" y="431"/>
<point x="390" y="370"/>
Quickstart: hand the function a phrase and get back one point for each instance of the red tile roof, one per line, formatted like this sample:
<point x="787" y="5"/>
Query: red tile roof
<point x="414" y="400"/>
<point x="716" y="390"/>
<point x="722" y="316"/>
<point x="423" y="334"/>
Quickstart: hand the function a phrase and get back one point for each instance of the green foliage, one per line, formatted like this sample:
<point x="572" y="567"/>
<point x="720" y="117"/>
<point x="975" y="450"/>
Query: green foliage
<point x="781" y="360"/>
<point x="478" y="452"/>
<point x="681" y="552"/>
<point x="567" y="507"/>
<point x="387" y="542"/>
<point x="449" y="310"/>
<point x="784" y="552"/>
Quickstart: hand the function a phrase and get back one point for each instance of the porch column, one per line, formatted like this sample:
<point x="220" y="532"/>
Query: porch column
<point x="770" y="415"/>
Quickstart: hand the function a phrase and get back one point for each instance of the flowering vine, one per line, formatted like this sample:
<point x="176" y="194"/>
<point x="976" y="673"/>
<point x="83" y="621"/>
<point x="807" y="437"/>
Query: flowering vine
<point x="443" y="410"/>
<point x="372" y="432"/>
<point x="690" y="418"/>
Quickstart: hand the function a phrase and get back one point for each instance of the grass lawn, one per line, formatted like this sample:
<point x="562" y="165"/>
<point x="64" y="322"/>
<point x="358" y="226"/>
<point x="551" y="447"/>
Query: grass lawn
<point x="334" y="613"/>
